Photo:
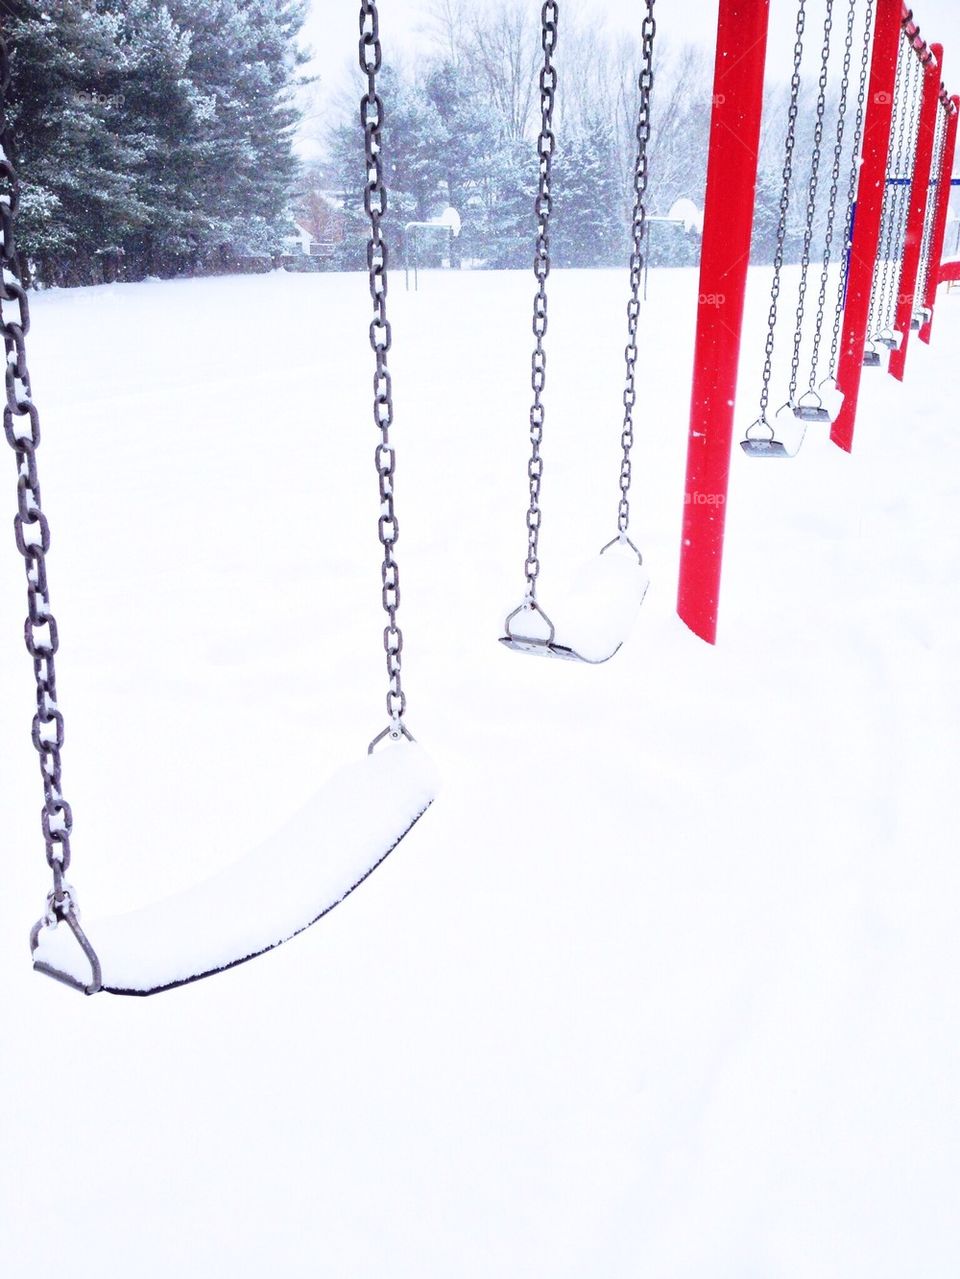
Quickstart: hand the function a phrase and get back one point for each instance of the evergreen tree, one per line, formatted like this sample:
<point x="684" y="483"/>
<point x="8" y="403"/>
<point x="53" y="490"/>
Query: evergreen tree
<point x="509" y="224"/>
<point x="588" y="221"/>
<point x="244" y="65"/>
<point x="158" y="132"/>
<point x="469" y="157"/>
<point x="77" y="167"/>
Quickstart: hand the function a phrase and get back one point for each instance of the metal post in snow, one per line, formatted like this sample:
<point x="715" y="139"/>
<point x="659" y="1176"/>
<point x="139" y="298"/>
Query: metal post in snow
<point x="866" y="231"/>
<point x="724" y="259"/>
<point x="952" y="105"/>
<point x="907" y="300"/>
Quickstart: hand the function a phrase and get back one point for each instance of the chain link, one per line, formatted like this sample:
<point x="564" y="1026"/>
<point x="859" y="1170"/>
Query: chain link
<point x="914" y="96"/>
<point x="852" y="192"/>
<point x="546" y="144"/>
<point x="811" y="201"/>
<point x="787" y="182"/>
<point x="21" y="426"/>
<point x="834" y="192"/>
<point x="375" y="204"/>
<point x="891" y="194"/>
<point x="930" y="212"/>
<point x="900" y="199"/>
<point x="640" y="180"/>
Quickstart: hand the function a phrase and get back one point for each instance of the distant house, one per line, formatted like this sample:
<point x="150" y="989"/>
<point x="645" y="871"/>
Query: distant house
<point x="299" y="241"/>
<point x="326" y="217"/>
<point x="327" y="230"/>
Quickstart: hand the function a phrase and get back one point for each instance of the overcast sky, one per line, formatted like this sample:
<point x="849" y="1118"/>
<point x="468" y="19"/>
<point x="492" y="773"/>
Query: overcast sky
<point x="332" y="29"/>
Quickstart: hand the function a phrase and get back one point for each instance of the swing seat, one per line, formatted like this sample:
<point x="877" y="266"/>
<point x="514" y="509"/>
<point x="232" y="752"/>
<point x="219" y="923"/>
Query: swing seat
<point x="871" y="359"/>
<point x="922" y="317"/>
<point x="889" y="339"/>
<point x="275" y="892"/>
<point x="764" y="448"/>
<point x="539" y="646"/>
<point x="595" y="615"/>
<point x="756" y="445"/>
<point x="809" y="408"/>
<point x="831" y="396"/>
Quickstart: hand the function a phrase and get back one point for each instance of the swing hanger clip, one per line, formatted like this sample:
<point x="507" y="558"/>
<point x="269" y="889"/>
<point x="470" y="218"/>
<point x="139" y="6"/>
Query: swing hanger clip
<point x="623" y="540"/>
<point x="395" y="731"/>
<point x="62" y="909"/>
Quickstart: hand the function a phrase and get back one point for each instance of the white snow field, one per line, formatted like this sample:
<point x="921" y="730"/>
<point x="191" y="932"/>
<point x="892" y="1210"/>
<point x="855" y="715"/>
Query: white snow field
<point x="663" y="984"/>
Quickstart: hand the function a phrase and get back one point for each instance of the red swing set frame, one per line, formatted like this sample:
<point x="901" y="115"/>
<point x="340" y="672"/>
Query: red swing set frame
<point x="725" y="256"/>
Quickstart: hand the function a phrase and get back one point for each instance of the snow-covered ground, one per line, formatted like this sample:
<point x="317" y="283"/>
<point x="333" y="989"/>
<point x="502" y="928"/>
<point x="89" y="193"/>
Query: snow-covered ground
<point x="663" y="985"/>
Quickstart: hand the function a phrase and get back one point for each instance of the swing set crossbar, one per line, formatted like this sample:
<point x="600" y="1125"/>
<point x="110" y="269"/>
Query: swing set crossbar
<point x="725" y="254"/>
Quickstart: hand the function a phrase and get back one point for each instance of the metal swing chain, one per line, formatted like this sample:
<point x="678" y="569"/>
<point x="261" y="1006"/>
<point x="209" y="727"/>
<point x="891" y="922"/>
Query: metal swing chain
<point x="852" y="193"/>
<point x="933" y="189"/>
<point x="640" y="180"/>
<point x="834" y="191"/>
<point x="916" y="88"/>
<point x="21" y="426"/>
<point x="909" y="138"/>
<point x="880" y="316"/>
<point x="811" y="201"/>
<point x="787" y="176"/>
<point x="375" y="204"/>
<point x="933" y="198"/>
<point x="546" y="143"/>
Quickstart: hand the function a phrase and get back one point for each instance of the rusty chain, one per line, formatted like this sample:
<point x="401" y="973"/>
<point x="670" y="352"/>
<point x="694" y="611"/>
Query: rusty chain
<point x="639" y="226"/>
<point x="381" y="337"/>
<point x="21" y="426"/>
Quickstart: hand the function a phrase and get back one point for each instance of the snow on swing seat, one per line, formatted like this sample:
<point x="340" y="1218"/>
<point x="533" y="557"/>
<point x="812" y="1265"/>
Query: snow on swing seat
<point x="275" y="892"/>
<point x="593" y="617"/>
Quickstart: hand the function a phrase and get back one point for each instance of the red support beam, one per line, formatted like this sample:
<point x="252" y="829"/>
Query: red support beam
<point x="907" y="301"/>
<point x="724" y="259"/>
<point x="866" y="233"/>
<point x="943" y="203"/>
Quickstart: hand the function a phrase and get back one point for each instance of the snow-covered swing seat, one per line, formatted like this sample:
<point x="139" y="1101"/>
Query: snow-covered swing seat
<point x="590" y="622"/>
<point x="349" y="826"/>
<point x="822" y="400"/>
<point x="276" y="891"/>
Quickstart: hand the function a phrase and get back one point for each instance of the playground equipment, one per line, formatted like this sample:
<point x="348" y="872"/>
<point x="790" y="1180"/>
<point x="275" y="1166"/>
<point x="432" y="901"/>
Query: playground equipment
<point x="360" y="815"/>
<point x="611" y="588"/>
<point x="860" y="324"/>
<point x="449" y="226"/>
<point x="762" y="438"/>
<point x="893" y="217"/>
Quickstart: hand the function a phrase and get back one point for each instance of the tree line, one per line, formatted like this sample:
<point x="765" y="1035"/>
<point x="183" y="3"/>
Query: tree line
<point x="462" y="119"/>
<point x="461" y="125"/>
<point x="153" y="136"/>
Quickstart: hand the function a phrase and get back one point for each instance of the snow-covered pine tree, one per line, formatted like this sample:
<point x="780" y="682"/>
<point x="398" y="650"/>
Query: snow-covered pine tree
<point x="244" y="65"/>
<point x="588" y="227"/>
<point x="77" y="166"/>
<point x="155" y="132"/>
<point x="468" y="158"/>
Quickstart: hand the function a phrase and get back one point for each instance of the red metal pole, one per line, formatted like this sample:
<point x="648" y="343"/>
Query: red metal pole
<point x="724" y="259"/>
<point x="866" y="231"/>
<point x="919" y="195"/>
<point x="952" y="107"/>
